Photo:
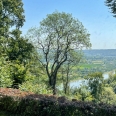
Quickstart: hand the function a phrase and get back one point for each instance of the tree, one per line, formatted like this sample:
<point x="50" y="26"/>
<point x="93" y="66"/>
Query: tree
<point x="15" y="51"/>
<point x="111" y="81"/>
<point x="82" y="93"/>
<point x="108" y="96"/>
<point x="5" y="78"/>
<point x="24" y="58"/>
<point x="66" y="69"/>
<point x="19" y="49"/>
<point x="11" y="15"/>
<point x="58" y="35"/>
<point x="112" y="5"/>
<point x="95" y="85"/>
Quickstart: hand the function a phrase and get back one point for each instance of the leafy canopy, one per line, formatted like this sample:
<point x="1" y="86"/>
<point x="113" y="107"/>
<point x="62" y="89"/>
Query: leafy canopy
<point x="11" y="15"/>
<point x="58" y="35"/>
<point x="112" y="5"/>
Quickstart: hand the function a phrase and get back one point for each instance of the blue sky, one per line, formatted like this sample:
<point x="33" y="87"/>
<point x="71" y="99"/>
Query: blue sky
<point x="93" y="14"/>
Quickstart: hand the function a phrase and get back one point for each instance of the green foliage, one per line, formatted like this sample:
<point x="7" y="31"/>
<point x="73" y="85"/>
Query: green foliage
<point x="111" y="81"/>
<point x="19" y="49"/>
<point x="57" y="42"/>
<point x="50" y="106"/>
<point x="5" y="81"/>
<point x="5" y="78"/>
<point x="11" y="73"/>
<point x="18" y="74"/>
<point x="8" y="103"/>
<point x="65" y="73"/>
<point x="19" y="52"/>
<point x="112" y="5"/>
<point x="19" y="63"/>
<point x="11" y="15"/>
<point x="82" y="93"/>
<point x="3" y="113"/>
<point x="39" y="88"/>
<point x="108" y="96"/>
<point x="95" y="85"/>
<point x="14" y="50"/>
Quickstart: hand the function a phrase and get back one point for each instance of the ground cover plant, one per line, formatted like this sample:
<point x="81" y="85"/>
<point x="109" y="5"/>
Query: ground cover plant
<point x="29" y="104"/>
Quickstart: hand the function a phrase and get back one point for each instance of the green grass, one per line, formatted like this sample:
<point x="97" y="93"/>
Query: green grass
<point x="89" y="66"/>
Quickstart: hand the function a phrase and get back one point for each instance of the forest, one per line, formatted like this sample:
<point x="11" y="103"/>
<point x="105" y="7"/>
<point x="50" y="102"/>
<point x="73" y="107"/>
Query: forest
<point x="49" y="57"/>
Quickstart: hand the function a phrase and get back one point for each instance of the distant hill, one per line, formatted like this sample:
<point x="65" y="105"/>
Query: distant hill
<point x="100" y="52"/>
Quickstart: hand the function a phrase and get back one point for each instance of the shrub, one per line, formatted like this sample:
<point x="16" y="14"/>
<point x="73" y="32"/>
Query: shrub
<point x="34" y="105"/>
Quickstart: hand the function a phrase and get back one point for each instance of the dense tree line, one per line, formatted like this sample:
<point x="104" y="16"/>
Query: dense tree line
<point x="17" y="54"/>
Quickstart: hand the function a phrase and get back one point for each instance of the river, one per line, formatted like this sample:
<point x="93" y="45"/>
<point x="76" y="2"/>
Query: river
<point x="78" y="83"/>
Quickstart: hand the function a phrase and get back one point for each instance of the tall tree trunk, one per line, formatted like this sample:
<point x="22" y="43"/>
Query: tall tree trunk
<point x="54" y="89"/>
<point x="66" y="81"/>
<point x="52" y="82"/>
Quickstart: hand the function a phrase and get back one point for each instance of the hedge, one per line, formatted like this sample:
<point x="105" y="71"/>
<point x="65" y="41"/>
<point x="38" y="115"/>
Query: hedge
<point x="52" y="106"/>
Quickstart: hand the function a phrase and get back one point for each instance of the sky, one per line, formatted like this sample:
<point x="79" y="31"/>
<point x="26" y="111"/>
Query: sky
<point x="94" y="15"/>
